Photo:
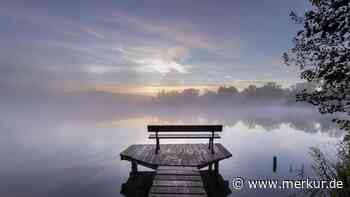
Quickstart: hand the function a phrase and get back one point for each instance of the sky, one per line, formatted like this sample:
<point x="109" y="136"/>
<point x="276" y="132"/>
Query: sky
<point x="132" y="43"/>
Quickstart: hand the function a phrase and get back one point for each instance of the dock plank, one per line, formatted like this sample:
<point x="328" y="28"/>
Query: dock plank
<point x="175" y="167"/>
<point x="177" y="190"/>
<point x="177" y="181"/>
<point x="177" y="195"/>
<point x="177" y="172"/>
<point x="177" y="178"/>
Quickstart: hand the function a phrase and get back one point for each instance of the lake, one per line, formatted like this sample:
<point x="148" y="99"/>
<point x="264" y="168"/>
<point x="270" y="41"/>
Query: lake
<point x="48" y="153"/>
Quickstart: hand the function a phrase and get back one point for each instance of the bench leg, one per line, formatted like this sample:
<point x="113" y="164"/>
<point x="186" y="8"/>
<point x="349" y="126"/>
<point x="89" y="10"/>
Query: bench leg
<point x="212" y="146"/>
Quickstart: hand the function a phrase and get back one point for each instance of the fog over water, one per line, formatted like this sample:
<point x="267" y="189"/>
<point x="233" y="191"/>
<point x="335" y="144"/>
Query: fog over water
<point x="68" y="144"/>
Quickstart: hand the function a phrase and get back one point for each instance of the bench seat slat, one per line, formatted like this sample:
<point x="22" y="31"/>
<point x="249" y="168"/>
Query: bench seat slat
<point x="183" y="136"/>
<point x="184" y="128"/>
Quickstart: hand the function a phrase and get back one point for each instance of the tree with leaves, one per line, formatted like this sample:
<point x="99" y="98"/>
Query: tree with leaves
<point x="322" y="52"/>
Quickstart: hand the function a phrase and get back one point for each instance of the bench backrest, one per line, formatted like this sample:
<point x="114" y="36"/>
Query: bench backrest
<point x="184" y="128"/>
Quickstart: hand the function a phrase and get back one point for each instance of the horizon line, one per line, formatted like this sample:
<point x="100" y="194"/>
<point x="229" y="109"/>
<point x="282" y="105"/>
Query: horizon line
<point x="154" y="89"/>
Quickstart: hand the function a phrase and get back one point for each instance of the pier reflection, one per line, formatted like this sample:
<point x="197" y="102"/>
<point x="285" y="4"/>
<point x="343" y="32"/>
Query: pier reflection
<point x="139" y="184"/>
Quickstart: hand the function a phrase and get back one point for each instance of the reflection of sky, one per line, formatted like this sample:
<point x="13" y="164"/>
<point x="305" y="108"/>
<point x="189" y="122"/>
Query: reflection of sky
<point x="88" y="43"/>
<point x="253" y="151"/>
<point x="82" y="159"/>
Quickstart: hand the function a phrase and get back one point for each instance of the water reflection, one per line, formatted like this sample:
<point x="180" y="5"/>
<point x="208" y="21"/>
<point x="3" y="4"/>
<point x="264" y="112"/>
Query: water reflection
<point x="138" y="184"/>
<point x="50" y="152"/>
<point x="269" y="119"/>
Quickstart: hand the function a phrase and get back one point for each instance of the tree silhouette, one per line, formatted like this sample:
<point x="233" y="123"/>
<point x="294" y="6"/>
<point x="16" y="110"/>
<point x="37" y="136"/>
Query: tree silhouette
<point x="315" y="2"/>
<point x="229" y="96"/>
<point x="322" y="52"/>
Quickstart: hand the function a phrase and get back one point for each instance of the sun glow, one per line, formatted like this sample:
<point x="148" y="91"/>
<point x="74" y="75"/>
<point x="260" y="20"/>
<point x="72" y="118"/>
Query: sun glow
<point x="151" y="90"/>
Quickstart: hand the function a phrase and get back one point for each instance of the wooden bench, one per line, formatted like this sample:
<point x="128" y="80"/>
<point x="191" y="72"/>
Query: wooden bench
<point x="192" y="132"/>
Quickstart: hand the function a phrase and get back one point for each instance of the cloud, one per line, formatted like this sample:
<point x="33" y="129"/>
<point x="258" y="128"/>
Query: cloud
<point x="159" y="60"/>
<point x="101" y="69"/>
<point x="93" y="32"/>
<point x="183" y="34"/>
<point x="119" y="43"/>
<point x="160" y="66"/>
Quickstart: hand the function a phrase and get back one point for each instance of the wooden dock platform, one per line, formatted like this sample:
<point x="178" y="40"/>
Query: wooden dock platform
<point x="177" y="170"/>
<point x="177" y="181"/>
<point x="188" y="155"/>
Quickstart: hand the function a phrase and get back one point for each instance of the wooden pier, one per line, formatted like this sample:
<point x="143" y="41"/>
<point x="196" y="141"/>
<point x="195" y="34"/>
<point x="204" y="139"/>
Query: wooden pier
<point x="177" y="181"/>
<point x="190" y="155"/>
<point x="177" y="166"/>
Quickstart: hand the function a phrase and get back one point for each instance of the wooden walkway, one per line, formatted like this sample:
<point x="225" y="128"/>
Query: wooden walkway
<point x="177" y="181"/>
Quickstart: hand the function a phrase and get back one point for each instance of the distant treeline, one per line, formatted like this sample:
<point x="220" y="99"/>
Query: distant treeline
<point x="269" y="94"/>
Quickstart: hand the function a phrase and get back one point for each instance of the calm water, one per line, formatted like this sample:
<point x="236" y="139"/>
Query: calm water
<point x="50" y="154"/>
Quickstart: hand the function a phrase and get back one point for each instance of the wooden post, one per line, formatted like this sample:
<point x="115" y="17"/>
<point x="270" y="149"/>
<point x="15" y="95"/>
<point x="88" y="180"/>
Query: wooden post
<point x="216" y="165"/>
<point x="274" y="164"/>
<point x="157" y="142"/>
<point x="209" y="143"/>
<point x="212" y="142"/>
<point x="133" y="167"/>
